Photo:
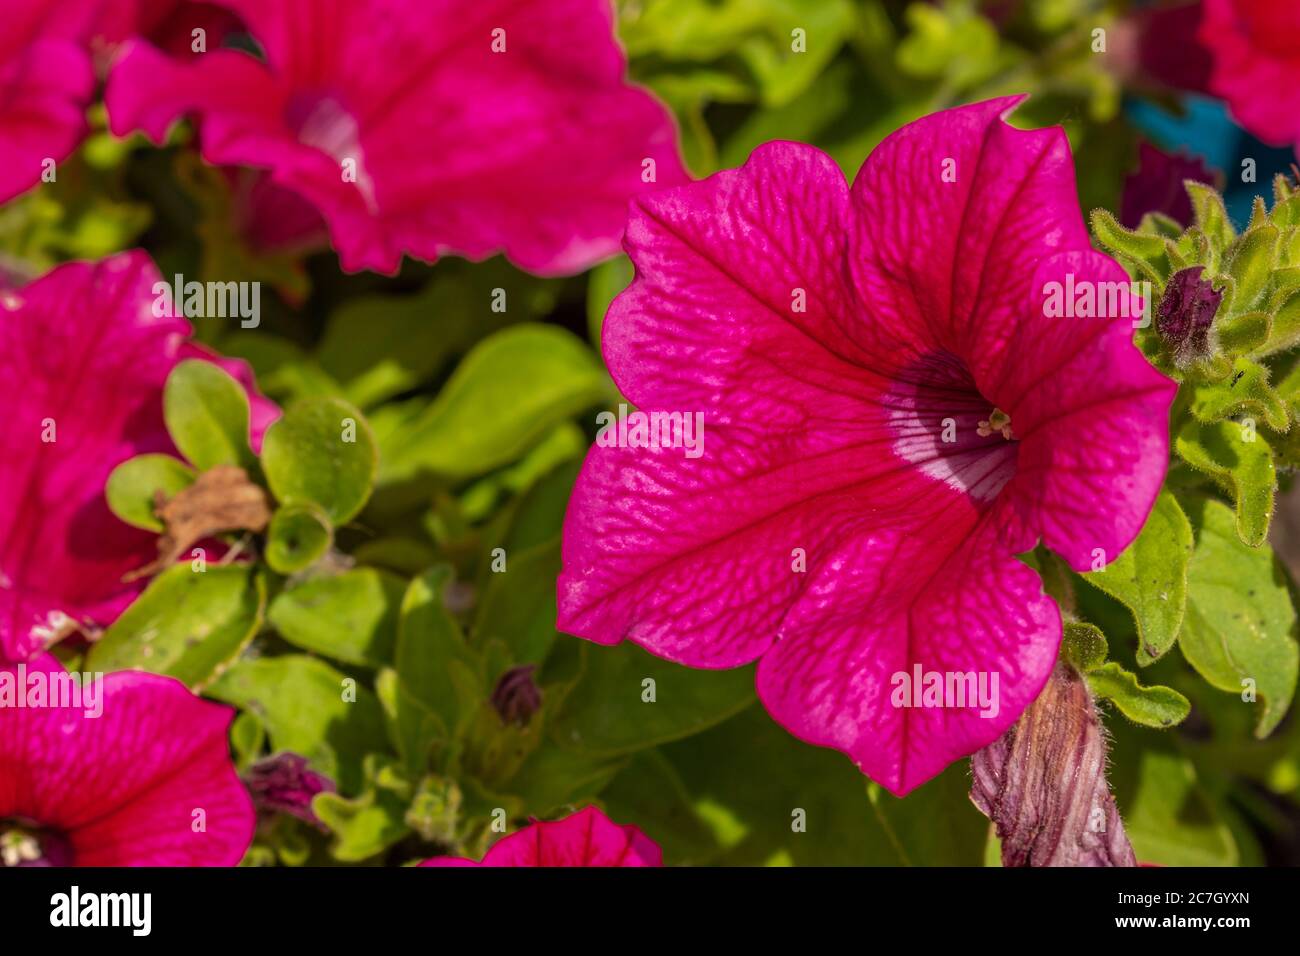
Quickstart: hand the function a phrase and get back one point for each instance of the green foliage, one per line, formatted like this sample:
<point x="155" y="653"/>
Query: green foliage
<point x="207" y="415"/>
<point x="187" y="624"/>
<point x="321" y="453"/>
<point x="133" y="486"/>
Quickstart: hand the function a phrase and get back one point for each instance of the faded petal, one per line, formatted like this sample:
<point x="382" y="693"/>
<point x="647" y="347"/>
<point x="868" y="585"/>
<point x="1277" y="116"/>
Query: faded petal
<point x="1043" y="783"/>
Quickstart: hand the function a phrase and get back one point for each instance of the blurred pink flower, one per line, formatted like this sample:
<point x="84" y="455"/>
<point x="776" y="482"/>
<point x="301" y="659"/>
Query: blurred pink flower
<point x="46" y="82"/>
<point x="896" y="402"/>
<point x="146" y="781"/>
<point x="1157" y="185"/>
<point x="585" y="838"/>
<point x="86" y="360"/>
<point x="424" y="126"/>
<point x="1255" y="45"/>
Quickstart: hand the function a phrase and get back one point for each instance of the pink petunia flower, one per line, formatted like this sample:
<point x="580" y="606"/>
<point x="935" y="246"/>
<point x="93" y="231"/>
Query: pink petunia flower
<point x="424" y="127"/>
<point x="1255" y="46"/>
<point x="85" y="359"/>
<point x="897" y="398"/>
<point x="585" y="838"/>
<point x="130" y="770"/>
<point x="46" y="82"/>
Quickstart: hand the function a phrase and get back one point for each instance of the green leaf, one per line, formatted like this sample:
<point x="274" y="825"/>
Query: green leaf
<point x="187" y="624"/>
<point x="518" y="604"/>
<point x="772" y="799"/>
<point x="311" y="709"/>
<point x="1211" y="215"/>
<point x="371" y="823"/>
<point x="1083" y="645"/>
<point x="1240" y="623"/>
<point x="1167" y="815"/>
<point x="607" y="712"/>
<point x="321" y="452"/>
<point x="206" y="412"/>
<point x="1150" y="577"/>
<point x="351" y="617"/>
<point x="1284" y="333"/>
<point x="1247" y="391"/>
<point x="134" y="483"/>
<point x="1134" y="246"/>
<point x="1240" y="334"/>
<point x="247" y="738"/>
<point x="1251" y="265"/>
<point x="1153" y="706"/>
<point x="510" y="391"/>
<point x="298" y="536"/>
<point x="429" y="644"/>
<point x="1239" y="460"/>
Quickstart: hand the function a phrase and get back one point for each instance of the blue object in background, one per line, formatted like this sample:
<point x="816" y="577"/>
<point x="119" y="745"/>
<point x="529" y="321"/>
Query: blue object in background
<point x="1207" y="130"/>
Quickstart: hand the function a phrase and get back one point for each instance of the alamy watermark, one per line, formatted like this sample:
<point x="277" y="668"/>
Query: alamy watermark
<point x="38" y="689"/>
<point x="639" y="429"/>
<point x="209" y="300"/>
<point x="946" y="689"/>
<point x="1085" y="299"/>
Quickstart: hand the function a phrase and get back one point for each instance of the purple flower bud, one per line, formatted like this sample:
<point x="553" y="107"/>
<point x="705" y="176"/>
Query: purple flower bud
<point x="283" y="784"/>
<point x="517" y="697"/>
<point x="1186" y="314"/>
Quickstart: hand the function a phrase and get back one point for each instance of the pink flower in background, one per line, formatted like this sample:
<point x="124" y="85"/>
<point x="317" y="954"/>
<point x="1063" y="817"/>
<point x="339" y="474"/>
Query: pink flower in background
<point x="424" y="127"/>
<point x="168" y="24"/>
<point x="1255" y="45"/>
<point x="46" y="82"/>
<point x="1157" y="185"/>
<point x="117" y="781"/>
<point x="585" y="838"/>
<point x="85" y="360"/>
<point x="894" y="407"/>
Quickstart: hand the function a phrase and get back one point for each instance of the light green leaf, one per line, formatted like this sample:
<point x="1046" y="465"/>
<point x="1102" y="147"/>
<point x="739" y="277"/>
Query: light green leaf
<point x="1083" y="645"/>
<point x="1246" y="392"/>
<point x="1150" y="577"/>
<point x="1251" y="265"/>
<point x="321" y="452"/>
<point x="351" y="617"/>
<point x="1240" y="626"/>
<point x="134" y="483"/>
<point x="1211" y="215"/>
<point x="1153" y="706"/>
<point x="206" y="412"/>
<point x="298" y="536"/>
<point x="1242" y="463"/>
<point x="510" y="391"/>
<point x="187" y="624"/>
<point x="310" y="708"/>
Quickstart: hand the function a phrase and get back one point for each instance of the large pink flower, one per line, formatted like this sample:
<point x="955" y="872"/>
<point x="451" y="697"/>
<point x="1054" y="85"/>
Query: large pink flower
<point x="140" y="776"/>
<point x="585" y="838"/>
<point x="85" y="361"/>
<point x="1255" y="45"/>
<point x="852" y="514"/>
<point x="46" y="82"/>
<point x="400" y="121"/>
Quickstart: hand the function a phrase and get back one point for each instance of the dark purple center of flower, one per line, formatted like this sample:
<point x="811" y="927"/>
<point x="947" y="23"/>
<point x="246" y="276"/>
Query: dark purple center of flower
<point x="516" y="697"/>
<point x="1186" y="314"/>
<point x="944" y="427"/>
<point x="26" y="843"/>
